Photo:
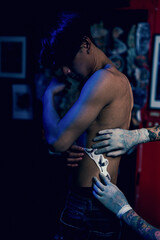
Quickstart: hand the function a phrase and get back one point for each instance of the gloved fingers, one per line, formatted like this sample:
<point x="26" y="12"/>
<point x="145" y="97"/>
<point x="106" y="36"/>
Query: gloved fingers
<point x="104" y="179"/>
<point x="116" y="153"/>
<point x="102" y="137"/>
<point x="107" y="131"/>
<point x="111" y="151"/>
<point x="102" y="150"/>
<point x="97" y="190"/>
<point x="96" y="195"/>
<point x="98" y="184"/>
<point x="101" y="144"/>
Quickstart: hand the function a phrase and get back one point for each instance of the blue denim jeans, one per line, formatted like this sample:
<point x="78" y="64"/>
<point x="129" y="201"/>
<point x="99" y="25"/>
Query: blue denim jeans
<point x="84" y="218"/>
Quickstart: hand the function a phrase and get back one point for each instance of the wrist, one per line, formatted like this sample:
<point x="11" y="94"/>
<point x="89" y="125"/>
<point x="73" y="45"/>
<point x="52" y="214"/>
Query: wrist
<point x="124" y="210"/>
<point x="128" y="215"/>
<point x="143" y="135"/>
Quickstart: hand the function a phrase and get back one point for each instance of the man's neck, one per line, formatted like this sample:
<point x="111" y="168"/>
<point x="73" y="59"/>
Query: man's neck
<point x="101" y="60"/>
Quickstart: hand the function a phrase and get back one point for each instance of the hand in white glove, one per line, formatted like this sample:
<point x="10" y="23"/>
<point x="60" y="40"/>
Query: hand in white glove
<point x="115" y="142"/>
<point x="110" y="196"/>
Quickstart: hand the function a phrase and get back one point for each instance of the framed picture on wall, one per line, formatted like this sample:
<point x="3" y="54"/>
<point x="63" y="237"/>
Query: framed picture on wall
<point x="155" y="76"/>
<point x="12" y="57"/>
<point x="22" y="102"/>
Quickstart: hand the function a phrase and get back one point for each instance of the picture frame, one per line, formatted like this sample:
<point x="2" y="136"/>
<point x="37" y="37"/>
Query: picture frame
<point x="22" y="107"/>
<point x="154" y="102"/>
<point x="13" y="57"/>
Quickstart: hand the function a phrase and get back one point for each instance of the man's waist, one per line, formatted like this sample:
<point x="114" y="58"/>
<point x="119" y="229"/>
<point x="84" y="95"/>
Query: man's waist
<point x="82" y="191"/>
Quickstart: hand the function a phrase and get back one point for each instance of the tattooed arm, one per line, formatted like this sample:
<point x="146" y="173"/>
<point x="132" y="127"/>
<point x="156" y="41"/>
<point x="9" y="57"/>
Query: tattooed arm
<point x="113" y="199"/>
<point x="138" y="224"/>
<point x="115" y="142"/>
<point x="154" y="133"/>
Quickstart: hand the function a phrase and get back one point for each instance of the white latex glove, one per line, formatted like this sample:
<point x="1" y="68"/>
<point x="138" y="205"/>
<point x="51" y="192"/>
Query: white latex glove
<point x="116" y="142"/>
<point x="110" y="196"/>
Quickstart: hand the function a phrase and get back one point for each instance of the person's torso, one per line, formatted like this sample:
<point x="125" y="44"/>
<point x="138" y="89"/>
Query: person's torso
<point x="116" y="114"/>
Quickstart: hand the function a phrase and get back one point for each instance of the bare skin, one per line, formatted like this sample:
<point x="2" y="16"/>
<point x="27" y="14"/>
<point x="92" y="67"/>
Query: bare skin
<point x="93" y="111"/>
<point x="115" y="114"/>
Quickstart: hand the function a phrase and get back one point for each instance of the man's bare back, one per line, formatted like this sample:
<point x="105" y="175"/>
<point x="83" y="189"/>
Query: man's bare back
<point x="116" y="114"/>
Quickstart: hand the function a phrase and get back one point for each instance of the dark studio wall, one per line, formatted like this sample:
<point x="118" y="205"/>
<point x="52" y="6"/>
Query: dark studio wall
<point x="28" y="204"/>
<point x="32" y="199"/>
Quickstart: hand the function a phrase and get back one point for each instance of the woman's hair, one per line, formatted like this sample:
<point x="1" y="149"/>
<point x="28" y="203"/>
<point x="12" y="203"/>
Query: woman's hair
<point x="64" y="41"/>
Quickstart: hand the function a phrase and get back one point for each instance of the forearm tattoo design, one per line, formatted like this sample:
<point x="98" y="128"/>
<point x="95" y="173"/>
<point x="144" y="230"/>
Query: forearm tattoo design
<point x="154" y="133"/>
<point x="141" y="226"/>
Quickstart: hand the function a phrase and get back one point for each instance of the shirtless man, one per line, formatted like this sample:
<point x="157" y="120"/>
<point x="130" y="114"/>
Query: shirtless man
<point x="70" y="47"/>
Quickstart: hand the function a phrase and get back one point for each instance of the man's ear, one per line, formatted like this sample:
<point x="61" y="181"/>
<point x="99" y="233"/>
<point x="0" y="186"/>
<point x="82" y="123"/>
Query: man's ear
<point x="86" y="43"/>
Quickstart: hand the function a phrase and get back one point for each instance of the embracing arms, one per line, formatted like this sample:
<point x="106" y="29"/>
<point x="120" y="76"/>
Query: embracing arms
<point x="61" y="133"/>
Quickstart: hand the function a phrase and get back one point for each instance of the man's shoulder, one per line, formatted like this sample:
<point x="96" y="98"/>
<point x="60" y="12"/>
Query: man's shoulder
<point x="102" y="77"/>
<point x="101" y="85"/>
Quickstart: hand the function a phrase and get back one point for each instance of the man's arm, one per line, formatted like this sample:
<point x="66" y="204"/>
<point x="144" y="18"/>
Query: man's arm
<point x="115" y="142"/>
<point x="113" y="199"/>
<point x="61" y="133"/>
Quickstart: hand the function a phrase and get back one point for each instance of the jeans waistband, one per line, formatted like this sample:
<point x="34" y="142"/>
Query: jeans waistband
<point x="83" y="191"/>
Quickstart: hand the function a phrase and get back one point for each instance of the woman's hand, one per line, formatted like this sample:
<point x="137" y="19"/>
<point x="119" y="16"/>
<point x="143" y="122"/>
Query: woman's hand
<point x="74" y="155"/>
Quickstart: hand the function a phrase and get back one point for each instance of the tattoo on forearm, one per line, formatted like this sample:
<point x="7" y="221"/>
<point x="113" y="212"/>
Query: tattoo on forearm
<point x="154" y="133"/>
<point x="141" y="226"/>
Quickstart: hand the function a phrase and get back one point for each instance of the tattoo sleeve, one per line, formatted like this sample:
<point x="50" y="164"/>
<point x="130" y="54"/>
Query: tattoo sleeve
<point x="154" y="133"/>
<point x="143" y="228"/>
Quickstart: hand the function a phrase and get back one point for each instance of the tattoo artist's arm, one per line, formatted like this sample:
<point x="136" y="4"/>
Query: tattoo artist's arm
<point x="154" y="133"/>
<point x="115" y="142"/>
<point x="113" y="199"/>
<point x="138" y="224"/>
<point x="110" y="195"/>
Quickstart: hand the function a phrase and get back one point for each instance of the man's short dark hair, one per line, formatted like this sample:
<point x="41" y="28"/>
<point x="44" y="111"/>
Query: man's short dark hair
<point x="60" y="48"/>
